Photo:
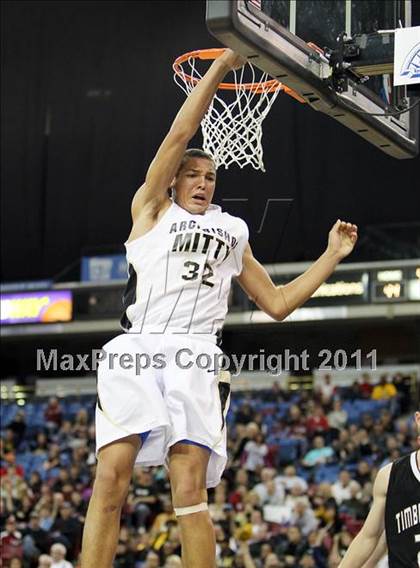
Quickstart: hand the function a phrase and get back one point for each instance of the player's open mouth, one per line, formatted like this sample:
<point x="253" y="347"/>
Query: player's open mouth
<point x="199" y="198"/>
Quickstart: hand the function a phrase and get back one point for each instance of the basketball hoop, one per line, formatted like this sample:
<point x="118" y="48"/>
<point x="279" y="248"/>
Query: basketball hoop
<point x="232" y="130"/>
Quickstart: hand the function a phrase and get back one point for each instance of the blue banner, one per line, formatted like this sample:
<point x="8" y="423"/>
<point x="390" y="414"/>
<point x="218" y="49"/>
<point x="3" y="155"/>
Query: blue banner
<point x="104" y="268"/>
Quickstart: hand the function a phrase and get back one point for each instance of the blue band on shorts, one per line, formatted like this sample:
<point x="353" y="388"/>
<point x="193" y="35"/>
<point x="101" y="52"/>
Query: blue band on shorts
<point x="144" y="436"/>
<point x="194" y="444"/>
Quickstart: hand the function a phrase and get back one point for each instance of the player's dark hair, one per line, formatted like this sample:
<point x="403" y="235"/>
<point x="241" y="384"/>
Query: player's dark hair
<point x="195" y="153"/>
<point x="192" y="153"/>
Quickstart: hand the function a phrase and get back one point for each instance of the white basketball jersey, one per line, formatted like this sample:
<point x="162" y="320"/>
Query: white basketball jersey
<point x="180" y="272"/>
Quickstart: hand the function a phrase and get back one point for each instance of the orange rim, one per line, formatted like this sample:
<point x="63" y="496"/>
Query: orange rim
<point x="208" y="54"/>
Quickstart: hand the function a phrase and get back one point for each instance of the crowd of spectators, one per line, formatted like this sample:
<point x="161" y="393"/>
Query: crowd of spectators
<point x="296" y="490"/>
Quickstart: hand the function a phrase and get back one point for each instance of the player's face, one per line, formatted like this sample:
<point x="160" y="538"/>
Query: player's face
<point x="195" y="184"/>
<point x="417" y="419"/>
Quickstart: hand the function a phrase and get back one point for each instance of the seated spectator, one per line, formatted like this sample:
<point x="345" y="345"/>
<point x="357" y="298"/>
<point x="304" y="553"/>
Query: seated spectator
<point x="255" y="452"/>
<point x="269" y="492"/>
<point x="363" y="442"/>
<point x="378" y="437"/>
<point x="11" y="541"/>
<point x="35" y="483"/>
<point x="61" y="480"/>
<point x="367" y="421"/>
<point x="292" y="546"/>
<point x="40" y="445"/>
<point x="18" y="427"/>
<point x="259" y="528"/>
<point x="45" y="561"/>
<point x="289" y="479"/>
<point x="9" y="442"/>
<point x="145" y="502"/>
<point x="337" y="418"/>
<point x="152" y="560"/>
<point x="272" y="561"/>
<point x="316" y="548"/>
<point x="295" y="495"/>
<point x="319" y="454"/>
<point x="245" y="414"/>
<point x="317" y="423"/>
<point x="341" y="488"/>
<point x="365" y="386"/>
<point x="244" y="435"/>
<point x="53" y="458"/>
<point x="354" y="506"/>
<point x="276" y="393"/>
<point x="173" y="561"/>
<point x="217" y="509"/>
<point x="326" y="390"/>
<point x="353" y="393"/>
<point x="403" y="385"/>
<point x="67" y="528"/>
<point x="53" y="413"/>
<point x="387" y="422"/>
<point x="384" y="390"/>
<point x="363" y="473"/>
<point x="304" y="518"/>
<point x="341" y="543"/>
<point x="295" y="423"/>
<point x="46" y="516"/>
<point x="81" y="423"/>
<point x="35" y="539"/>
<point x="308" y="560"/>
<point x="58" y="554"/>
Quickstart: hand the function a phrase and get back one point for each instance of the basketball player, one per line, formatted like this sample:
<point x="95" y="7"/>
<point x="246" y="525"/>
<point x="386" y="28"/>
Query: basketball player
<point x="394" y="519"/>
<point x="182" y="254"/>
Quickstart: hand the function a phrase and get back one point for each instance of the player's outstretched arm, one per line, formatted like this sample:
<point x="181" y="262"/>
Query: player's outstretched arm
<point x="168" y="158"/>
<point x="368" y="540"/>
<point x="279" y="301"/>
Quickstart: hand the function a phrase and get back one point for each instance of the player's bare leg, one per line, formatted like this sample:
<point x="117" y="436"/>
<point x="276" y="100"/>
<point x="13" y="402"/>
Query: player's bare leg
<point x="102" y="525"/>
<point x="187" y="468"/>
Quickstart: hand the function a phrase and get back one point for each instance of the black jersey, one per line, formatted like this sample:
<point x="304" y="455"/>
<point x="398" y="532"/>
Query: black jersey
<point x="402" y="513"/>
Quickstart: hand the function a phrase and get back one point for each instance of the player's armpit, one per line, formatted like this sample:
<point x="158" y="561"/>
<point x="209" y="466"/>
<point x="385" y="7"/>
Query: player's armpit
<point x="367" y="541"/>
<point x="145" y="204"/>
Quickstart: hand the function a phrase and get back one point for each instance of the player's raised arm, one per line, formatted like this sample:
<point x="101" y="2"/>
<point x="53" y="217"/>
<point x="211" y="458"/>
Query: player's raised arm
<point x="168" y="158"/>
<point x="368" y="539"/>
<point x="279" y="301"/>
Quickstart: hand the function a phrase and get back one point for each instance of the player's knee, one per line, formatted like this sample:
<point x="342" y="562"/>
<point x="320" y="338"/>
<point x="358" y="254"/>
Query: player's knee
<point x="185" y="496"/>
<point x="112" y="480"/>
<point x="188" y="490"/>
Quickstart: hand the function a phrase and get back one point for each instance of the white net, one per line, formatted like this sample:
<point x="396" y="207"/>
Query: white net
<point x="232" y="129"/>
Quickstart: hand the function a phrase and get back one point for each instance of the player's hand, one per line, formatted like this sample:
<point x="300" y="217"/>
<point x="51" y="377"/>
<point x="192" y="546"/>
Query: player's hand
<point x="342" y="238"/>
<point x="232" y="59"/>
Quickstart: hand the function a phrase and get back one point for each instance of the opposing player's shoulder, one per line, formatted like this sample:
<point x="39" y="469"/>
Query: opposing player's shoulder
<point x="382" y="480"/>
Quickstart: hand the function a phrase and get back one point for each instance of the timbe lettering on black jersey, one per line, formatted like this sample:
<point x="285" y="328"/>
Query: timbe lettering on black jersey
<point x="408" y="517"/>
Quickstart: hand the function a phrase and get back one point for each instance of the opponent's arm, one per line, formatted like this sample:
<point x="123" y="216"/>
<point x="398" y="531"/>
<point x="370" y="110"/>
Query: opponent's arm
<point x="279" y="301"/>
<point x="368" y="539"/>
<point x="168" y="158"/>
<point x="378" y="553"/>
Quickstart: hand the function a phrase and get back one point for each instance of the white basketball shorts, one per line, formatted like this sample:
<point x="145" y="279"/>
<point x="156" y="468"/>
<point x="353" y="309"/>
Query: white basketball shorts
<point x="166" y="383"/>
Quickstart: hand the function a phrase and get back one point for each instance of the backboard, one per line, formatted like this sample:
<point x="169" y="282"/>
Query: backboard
<point x="347" y="76"/>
